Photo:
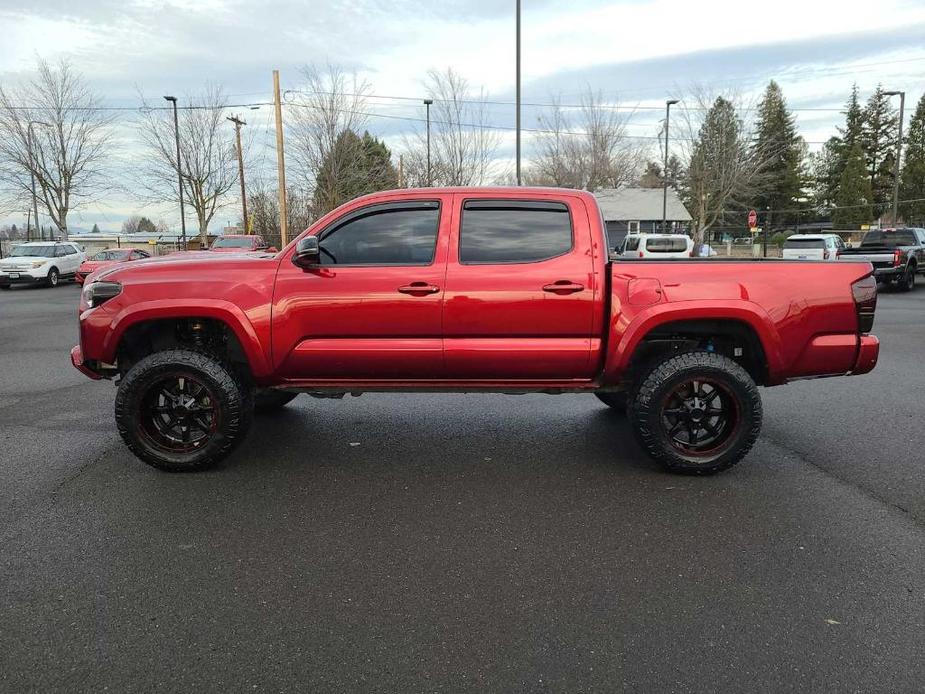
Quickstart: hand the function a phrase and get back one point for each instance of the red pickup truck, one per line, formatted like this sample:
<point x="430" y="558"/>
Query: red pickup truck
<point x="508" y="290"/>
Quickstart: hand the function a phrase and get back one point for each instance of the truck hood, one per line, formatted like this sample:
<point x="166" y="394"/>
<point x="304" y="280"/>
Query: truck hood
<point x="187" y="261"/>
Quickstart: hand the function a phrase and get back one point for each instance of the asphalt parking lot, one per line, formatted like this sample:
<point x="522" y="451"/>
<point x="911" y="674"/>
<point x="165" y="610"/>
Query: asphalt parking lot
<point x="460" y="542"/>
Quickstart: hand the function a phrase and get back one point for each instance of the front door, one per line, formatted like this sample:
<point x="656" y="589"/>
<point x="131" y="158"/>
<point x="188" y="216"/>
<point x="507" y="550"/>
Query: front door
<point x="371" y="310"/>
<point x="520" y="291"/>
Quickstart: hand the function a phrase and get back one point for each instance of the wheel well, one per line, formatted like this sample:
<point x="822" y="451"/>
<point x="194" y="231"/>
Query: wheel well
<point x="206" y="335"/>
<point x="734" y="339"/>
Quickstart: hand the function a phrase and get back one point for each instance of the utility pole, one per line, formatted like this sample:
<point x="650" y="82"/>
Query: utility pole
<point x="35" y="204"/>
<point x="401" y="170"/>
<point x="176" y="135"/>
<point x="237" y="133"/>
<point x="517" y="107"/>
<point x="280" y="163"/>
<point x="427" y="103"/>
<point x="899" y="152"/>
<point x="668" y="105"/>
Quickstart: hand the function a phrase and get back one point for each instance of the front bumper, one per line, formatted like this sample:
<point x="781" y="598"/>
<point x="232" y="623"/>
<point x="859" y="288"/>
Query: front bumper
<point x="24" y="277"/>
<point x="77" y="359"/>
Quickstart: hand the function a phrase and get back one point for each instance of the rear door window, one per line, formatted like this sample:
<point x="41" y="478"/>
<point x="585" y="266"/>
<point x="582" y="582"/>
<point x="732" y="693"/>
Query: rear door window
<point x="631" y="243"/>
<point x="505" y="231"/>
<point x="804" y="244"/>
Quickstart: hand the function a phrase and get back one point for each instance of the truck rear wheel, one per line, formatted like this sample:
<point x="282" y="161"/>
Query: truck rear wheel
<point x="907" y="283"/>
<point x="697" y="413"/>
<point x="182" y="411"/>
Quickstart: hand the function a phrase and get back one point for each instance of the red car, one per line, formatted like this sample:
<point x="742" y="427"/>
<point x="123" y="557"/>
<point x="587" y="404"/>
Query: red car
<point x="107" y="258"/>
<point x="239" y="243"/>
<point x="509" y="290"/>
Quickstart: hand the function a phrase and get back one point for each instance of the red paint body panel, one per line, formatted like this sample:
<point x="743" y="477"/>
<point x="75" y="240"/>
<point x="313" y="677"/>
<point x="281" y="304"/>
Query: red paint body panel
<point x="483" y="327"/>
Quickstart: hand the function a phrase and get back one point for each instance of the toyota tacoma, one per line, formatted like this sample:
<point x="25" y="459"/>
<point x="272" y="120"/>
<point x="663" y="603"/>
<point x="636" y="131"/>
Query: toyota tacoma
<point x="508" y="290"/>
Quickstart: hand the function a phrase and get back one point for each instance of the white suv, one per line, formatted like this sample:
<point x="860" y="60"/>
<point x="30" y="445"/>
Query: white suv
<point x="41" y="261"/>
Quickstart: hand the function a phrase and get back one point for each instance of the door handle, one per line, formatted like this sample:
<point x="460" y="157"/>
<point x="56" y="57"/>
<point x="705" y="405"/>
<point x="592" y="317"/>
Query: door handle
<point x="564" y="287"/>
<point x="419" y="289"/>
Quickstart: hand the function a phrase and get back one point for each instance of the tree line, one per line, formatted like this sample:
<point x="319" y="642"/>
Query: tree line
<point x="53" y="131"/>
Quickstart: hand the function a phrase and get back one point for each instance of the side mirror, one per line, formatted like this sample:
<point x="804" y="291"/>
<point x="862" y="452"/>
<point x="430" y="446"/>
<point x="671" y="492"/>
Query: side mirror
<point x="307" y="253"/>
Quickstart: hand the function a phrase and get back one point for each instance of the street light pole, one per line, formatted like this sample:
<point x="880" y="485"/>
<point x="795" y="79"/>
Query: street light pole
<point x="517" y="107"/>
<point x="427" y="103"/>
<point x="176" y="135"/>
<point x="237" y="132"/>
<point x="899" y="151"/>
<point x="668" y="104"/>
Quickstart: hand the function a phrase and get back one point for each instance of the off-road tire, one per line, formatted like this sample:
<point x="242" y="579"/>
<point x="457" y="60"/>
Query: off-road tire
<point x="53" y="278"/>
<point x="656" y="387"/>
<point x="615" y="401"/>
<point x="907" y="283"/>
<point x="232" y="402"/>
<point x="269" y="399"/>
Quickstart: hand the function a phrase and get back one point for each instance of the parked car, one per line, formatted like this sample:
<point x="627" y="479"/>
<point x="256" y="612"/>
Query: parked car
<point x="466" y="289"/>
<point x="897" y="255"/>
<point x="813" y="247"/>
<point x="41" y="262"/>
<point x="657" y="246"/>
<point x="107" y="258"/>
<point x="238" y="243"/>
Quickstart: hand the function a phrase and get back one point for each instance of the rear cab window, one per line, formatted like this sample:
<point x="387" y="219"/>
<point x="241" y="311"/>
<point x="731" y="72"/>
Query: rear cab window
<point x="889" y="238"/>
<point x="513" y="231"/>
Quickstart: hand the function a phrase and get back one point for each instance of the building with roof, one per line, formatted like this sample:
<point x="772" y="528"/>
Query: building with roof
<point x="639" y="211"/>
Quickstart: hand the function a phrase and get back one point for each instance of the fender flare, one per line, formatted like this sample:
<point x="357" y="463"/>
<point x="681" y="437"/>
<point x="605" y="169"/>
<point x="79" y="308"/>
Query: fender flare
<point x="621" y="351"/>
<point x="165" y="309"/>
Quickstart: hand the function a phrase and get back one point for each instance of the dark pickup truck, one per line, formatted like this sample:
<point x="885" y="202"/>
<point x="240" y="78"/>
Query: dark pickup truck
<point x="896" y="254"/>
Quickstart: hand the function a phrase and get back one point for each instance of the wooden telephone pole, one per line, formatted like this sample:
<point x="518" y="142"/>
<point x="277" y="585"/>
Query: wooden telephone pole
<point x="237" y="133"/>
<point x="280" y="163"/>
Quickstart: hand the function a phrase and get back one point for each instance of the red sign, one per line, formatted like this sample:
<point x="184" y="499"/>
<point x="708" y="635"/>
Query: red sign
<point x="752" y="219"/>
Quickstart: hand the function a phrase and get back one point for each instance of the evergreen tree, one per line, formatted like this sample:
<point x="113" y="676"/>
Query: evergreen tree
<point x="777" y="142"/>
<point x="652" y="176"/>
<point x="854" y="194"/>
<point x="355" y="166"/>
<point x="830" y="163"/>
<point x="878" y="138"/>
<point x="912" y="178"/>
<point x="95" y="229"/>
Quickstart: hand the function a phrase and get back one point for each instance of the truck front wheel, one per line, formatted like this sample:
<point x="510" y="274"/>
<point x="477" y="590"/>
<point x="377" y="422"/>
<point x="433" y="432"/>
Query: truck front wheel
<point x="181" y="411"/>
<point x="697" y="413"/>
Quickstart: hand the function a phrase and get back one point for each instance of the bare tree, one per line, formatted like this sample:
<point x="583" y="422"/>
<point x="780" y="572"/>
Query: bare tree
<point x="70" y="138"/>
<point x="585" y="146"/>
<point x="463" y="142"/>
<point x="208" y="160"/>
<point x="331" y="103"/>
<point x="725" y="168"/>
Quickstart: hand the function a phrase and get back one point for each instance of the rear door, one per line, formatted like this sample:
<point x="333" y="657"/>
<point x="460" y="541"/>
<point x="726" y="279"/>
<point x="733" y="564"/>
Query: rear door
<point x="520" y="290"/>
<point x="371" y="310"/>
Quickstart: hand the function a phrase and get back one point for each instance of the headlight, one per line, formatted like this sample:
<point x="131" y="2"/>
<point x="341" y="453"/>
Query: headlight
<point x="97" y="293"/>
<point x="38" y="263"/>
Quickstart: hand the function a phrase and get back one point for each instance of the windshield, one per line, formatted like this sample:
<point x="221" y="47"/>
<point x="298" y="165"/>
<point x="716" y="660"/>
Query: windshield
<point x="889" y="238"/>
<point x="233" y="243"/>
<point x="804" y="243"/>
<point x="111" y="255"/>
<point x="33" y="252"/>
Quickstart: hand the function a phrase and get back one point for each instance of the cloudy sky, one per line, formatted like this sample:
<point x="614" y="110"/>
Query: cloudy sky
<point x="634" y="51"/>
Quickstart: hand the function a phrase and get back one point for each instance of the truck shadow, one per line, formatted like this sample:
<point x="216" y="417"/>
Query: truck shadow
<point x="440" y="430"/>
